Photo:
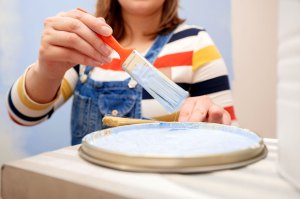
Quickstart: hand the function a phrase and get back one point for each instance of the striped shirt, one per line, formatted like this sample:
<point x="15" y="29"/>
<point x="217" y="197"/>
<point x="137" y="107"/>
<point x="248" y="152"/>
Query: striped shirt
<point x="190" y="59"/>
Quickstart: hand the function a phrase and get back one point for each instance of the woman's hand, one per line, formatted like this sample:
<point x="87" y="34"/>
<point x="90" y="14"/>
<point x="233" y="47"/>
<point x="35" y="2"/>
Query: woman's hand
<point x="202" y="109"/>
<point x="70" y="38"/>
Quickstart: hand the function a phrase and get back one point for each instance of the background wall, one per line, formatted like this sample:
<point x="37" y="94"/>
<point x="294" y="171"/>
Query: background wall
<point x="216" y="19"/>
<point x="254" y="33"/>
<point x="21" y="26"/>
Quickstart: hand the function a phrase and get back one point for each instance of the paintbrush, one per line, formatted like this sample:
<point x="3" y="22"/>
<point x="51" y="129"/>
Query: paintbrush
<point x="166" y="92"/>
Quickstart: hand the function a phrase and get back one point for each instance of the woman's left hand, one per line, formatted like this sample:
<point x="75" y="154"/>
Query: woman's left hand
<point x="202" y="109"/>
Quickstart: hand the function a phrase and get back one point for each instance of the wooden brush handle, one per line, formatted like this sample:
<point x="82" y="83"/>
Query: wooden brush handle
<point x="168" y="118"/>
<point x="120" y="121"/>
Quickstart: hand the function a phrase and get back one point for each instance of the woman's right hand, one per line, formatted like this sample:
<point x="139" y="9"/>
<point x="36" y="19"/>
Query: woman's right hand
<point x="70" y="38"/>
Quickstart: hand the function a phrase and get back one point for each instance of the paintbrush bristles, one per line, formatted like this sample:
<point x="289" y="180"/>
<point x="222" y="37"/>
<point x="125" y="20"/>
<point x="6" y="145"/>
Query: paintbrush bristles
<point x="166" y="92"/>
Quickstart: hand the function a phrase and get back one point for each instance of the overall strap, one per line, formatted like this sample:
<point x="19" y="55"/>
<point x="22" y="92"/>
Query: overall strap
<point x="158" y="44"/>
<point x="87" y="70"/>
<point x="83" y="77"/>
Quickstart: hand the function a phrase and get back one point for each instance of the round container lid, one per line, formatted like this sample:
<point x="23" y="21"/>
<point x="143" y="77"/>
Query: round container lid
<point x="173" y="147"/>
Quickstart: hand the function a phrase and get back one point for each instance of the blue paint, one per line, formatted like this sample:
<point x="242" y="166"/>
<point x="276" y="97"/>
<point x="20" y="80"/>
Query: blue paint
<point x="174" y="139"/>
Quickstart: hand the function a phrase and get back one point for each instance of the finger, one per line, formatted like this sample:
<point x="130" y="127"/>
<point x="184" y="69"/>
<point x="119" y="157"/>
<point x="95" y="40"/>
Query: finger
<point x="102" y="19"/>
<point x="200" y="110"/>
<point x="62" y="54"/>
<point x="72" y="41"/>
<point x="186" y="110"/>
<point x="215" y="114"/>
<point x="194" y="109"/>
<point x="98" y="26"/>
<point x="226" y="118"/>
<point x="75" y="26"/>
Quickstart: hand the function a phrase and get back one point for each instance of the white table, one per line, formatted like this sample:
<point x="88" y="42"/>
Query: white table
<point x="62" y="174"/>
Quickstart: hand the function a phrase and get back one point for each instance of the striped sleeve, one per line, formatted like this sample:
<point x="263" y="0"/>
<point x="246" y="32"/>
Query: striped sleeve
<point x="210" y="76"/>
<point x="24" y="111"/>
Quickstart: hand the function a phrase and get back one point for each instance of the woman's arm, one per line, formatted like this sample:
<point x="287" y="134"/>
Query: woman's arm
<point x="25" y="111"/>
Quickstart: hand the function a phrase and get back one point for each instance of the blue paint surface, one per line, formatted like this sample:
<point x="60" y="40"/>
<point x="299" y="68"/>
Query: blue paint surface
<point x="174" y="139"/>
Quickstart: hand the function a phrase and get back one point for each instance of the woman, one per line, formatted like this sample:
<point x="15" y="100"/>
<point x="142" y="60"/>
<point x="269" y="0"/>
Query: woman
<point x="73" y="60"/>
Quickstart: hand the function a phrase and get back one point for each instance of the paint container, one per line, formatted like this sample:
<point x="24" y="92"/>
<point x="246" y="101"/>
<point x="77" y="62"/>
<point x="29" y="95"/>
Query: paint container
<point x="173" y="147"/>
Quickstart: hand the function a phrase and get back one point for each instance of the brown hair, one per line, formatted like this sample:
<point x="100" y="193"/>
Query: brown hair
<point x="110" y="10"/>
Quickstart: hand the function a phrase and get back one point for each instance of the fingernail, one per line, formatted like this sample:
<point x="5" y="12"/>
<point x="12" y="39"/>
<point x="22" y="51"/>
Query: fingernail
<point x="101" y="18"/>
<point x="106" y="31"/>
<point x="107" y="59"/>
<point x="105" y="50"/>
<point x="96" y="63"/>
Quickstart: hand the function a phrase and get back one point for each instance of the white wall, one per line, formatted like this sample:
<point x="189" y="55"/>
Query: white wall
<point x="254" y="36"/>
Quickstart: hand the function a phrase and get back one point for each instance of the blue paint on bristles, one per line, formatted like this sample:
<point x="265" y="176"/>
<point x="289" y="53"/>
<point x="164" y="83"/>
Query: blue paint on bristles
<point x="166" y="92"/>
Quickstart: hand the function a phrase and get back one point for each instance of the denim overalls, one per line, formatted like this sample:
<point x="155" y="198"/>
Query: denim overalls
<point x="95" y="99"/>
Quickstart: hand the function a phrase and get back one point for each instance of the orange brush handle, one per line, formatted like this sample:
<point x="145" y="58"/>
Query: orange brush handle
<point x="114" y="44"/>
